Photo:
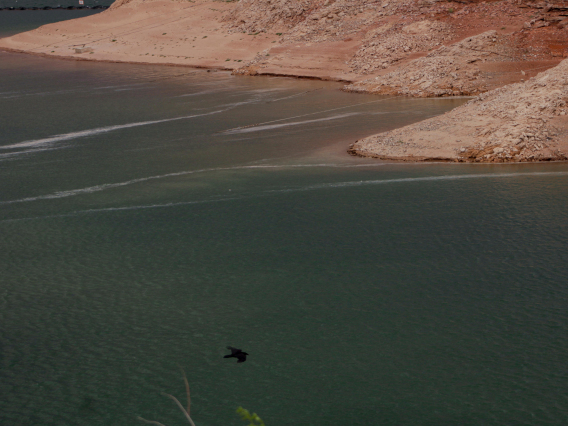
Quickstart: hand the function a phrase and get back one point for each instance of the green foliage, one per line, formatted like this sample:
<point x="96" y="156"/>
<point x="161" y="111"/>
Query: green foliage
<point x="451" y="10"/>
<point x="248" y="417"/>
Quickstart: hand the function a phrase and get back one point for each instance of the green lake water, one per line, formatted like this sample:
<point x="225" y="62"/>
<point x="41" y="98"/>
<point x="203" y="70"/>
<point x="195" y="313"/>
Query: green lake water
<point x="17" y="21"/>
<point x="140" y="234"/>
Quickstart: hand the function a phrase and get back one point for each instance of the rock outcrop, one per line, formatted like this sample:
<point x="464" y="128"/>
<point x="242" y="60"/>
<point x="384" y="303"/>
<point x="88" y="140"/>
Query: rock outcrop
<point x="447" y="71"/>
<point x="522" y="122"/>
<point x="392" y="42"/>
<point x="256" y="16"/>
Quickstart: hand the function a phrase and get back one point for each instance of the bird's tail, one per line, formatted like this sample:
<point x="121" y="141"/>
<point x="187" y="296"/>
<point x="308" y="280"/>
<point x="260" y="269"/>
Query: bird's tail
<point x="228" y="356"/>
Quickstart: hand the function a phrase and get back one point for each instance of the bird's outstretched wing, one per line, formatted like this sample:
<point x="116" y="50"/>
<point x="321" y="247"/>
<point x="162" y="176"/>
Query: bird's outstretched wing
<point x="233" y="350"/>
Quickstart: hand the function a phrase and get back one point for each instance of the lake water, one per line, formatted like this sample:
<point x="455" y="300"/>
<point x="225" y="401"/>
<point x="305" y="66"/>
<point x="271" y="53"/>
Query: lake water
<point x="140" y="234"/>
<point x="17" y="21"/>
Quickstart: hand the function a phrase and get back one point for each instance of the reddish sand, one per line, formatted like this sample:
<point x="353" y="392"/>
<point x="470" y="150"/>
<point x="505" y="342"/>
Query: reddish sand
<point x="176" y="33"/>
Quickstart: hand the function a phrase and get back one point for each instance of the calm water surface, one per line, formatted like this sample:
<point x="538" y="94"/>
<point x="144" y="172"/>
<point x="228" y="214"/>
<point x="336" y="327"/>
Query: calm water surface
<point x="17" y="21"/>
<point x="139" y="233"/>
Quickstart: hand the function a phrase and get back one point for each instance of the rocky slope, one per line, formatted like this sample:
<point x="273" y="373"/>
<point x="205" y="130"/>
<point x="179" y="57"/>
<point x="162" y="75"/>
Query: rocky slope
<point x="447" y="71"/>
<point x="416" y="48"/>
<point x="392" y="36"/>
<point x="519" y="122"/>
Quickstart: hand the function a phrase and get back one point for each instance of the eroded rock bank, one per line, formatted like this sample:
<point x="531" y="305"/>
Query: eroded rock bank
<point x="454" y="70"/>
<point x="415" y="48"/>
<point x="522" y="122"/>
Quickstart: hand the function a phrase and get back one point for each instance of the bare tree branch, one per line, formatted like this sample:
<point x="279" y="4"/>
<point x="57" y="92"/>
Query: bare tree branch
<point x="186" y="390"/>
<point x="150" y="421"/>
<point x="181" y="407"/>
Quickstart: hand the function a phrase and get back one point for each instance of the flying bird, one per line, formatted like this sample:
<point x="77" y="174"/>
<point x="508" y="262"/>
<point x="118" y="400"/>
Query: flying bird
<point x="237" y="353"/>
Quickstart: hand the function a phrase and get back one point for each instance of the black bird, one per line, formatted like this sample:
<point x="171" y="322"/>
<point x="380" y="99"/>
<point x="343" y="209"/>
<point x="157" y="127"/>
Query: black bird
<point x="237" y="353"/>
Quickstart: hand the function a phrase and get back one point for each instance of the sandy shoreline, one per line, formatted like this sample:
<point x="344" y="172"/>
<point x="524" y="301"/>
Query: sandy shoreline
<point x="164" y="33"/>
<point x="169" y="64"/>
<point x="400" y="48"/>
<point x="117" y="61"/>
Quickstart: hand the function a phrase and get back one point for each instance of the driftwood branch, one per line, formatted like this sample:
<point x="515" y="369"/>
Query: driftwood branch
<point x="152" y="422"/>
<point x="180" y="407"/>
<point x="186" y="390"/>
<point x="185" y="412"/>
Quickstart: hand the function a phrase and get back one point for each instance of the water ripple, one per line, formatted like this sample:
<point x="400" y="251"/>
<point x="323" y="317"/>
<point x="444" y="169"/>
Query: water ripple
<point x="98" y="130"/>
<point x="261" y="194"/>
